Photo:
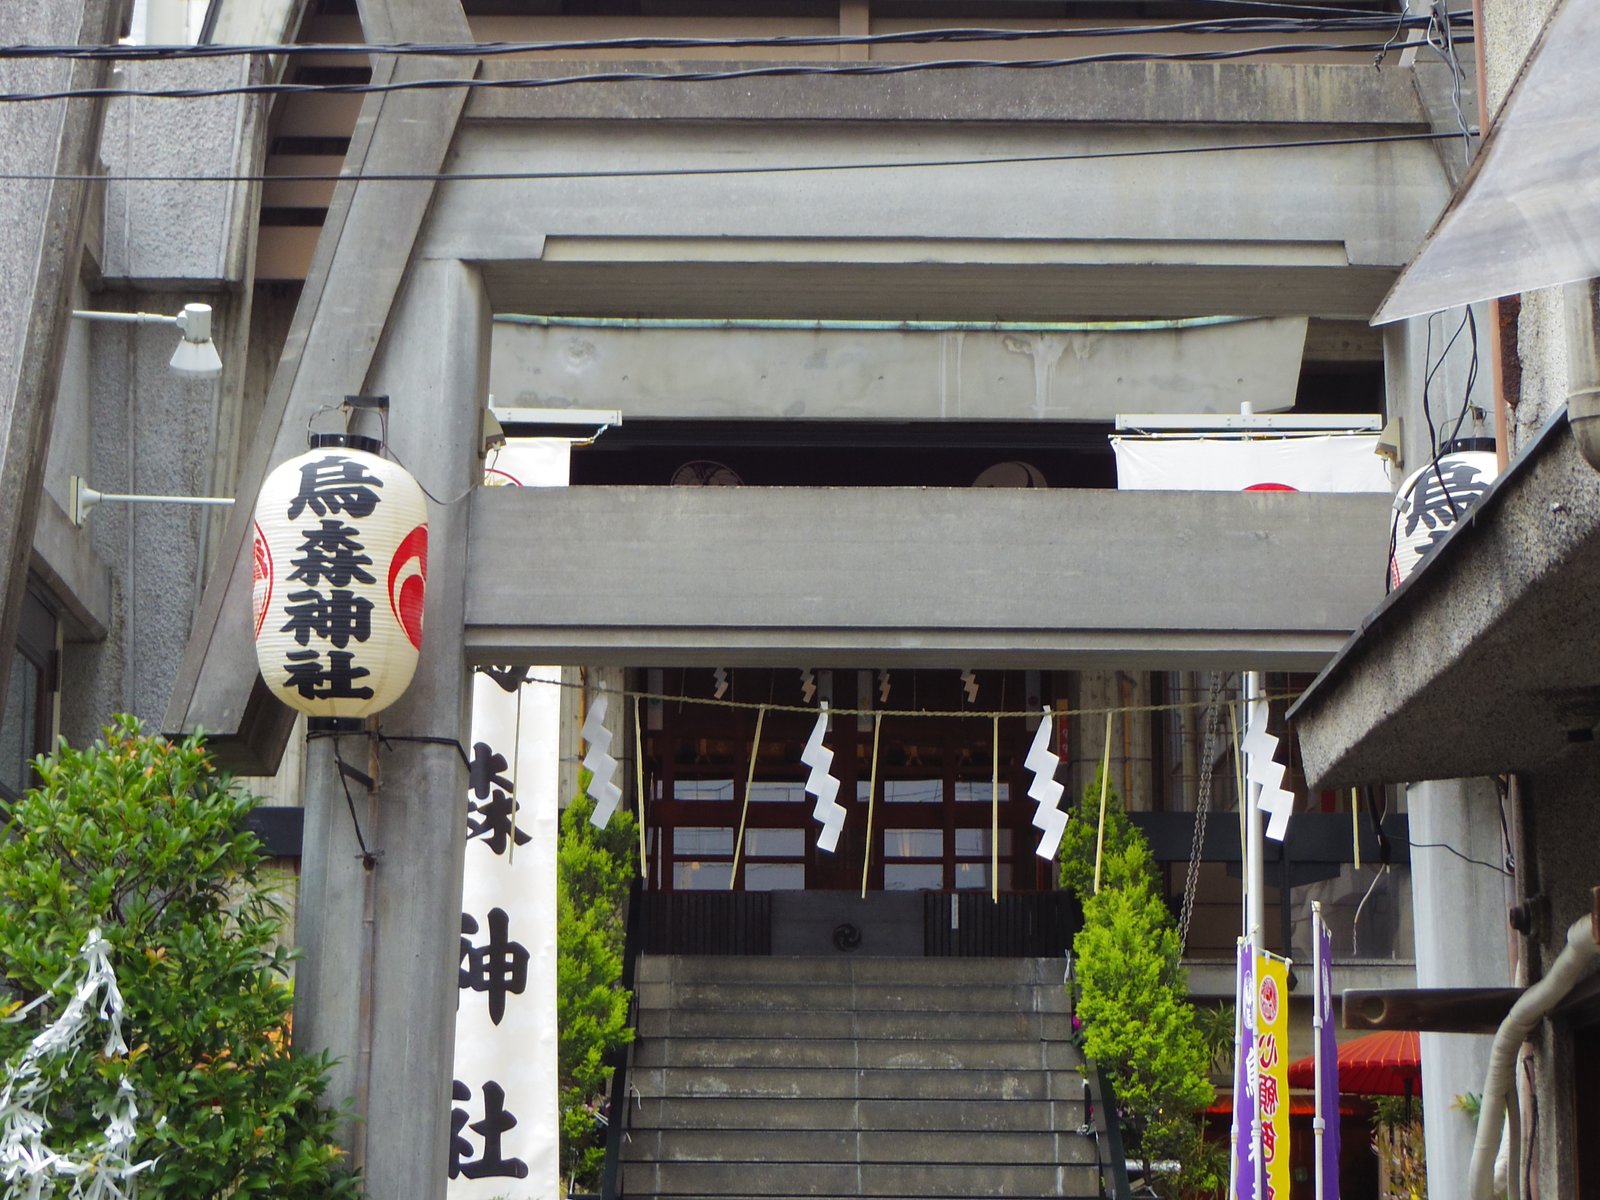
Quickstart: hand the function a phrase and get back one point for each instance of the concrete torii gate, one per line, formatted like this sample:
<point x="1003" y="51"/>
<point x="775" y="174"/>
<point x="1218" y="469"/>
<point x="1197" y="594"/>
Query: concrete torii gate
<point x="398" y="301"/>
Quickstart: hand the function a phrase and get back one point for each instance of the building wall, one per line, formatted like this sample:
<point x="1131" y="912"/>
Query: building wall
<point x="1510" y="29"/>
<point x="1559" y="819"/>
<point x="1562" y="827"/>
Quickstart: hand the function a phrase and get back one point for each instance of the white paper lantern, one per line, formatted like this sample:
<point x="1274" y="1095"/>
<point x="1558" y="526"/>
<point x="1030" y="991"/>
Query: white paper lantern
<point x="340" y="566"/>
<point x="1425" y="514"/>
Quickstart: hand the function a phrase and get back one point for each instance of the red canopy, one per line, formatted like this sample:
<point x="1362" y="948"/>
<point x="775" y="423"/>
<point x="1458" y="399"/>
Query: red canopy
<point x="1380" y="1064"/>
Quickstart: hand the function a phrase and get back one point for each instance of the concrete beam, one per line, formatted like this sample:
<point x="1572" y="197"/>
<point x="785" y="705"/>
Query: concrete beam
<point x="754" y="375"/>
<point x="1488" y="658"/>
<point x="1052" y="289"/>
<point x="362" y="259"/>
<point x="42" y="242"/>
<point x="914" y="576"/>
<point x="634" y="220"/>
<point x="1095" y="93"/>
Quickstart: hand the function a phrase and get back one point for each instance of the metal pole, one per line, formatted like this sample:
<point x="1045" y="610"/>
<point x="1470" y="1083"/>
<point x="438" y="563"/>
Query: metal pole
<point x="1238" y="1048"/>
<point x="1255" y="842"/>
<point x="125" y="318"/>
<point x="1318" y="1002"/>
<point x="1255" y="886"/>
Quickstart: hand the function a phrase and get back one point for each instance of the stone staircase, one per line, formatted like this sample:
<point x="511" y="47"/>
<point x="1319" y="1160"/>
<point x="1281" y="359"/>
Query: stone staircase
<point x="825" y="1077"/>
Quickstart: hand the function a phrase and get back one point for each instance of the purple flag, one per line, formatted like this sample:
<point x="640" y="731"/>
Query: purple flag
<point x="1244" y="1081"/>
<point x="1328" y="1047"/>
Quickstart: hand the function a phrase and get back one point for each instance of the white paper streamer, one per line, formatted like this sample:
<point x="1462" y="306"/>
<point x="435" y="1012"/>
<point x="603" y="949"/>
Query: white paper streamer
<point x="1049" y="817"/>
<point x="719" y="683"/>
<point x="823" y="785"/>
<point x="969" y="682"/>
<point x="883" y="687"/>
<point x="1259" y="747"/>
<point x="808" y="684"/>
<point x="28" y="1167"/>
<point x="600" y="764"/>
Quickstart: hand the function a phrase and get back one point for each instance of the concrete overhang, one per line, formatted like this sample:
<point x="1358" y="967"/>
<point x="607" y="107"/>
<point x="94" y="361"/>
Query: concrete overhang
<point x="919" y="576"/>
<point x="1487" y="659"/>
<point x="594" y="282"/>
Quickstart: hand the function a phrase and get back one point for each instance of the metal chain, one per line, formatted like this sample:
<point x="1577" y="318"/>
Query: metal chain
<point x="1202" y="807"/>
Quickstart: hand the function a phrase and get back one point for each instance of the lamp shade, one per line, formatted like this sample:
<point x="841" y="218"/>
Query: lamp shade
<point x="340" y="566"/>
<point x="1432" y="501"/>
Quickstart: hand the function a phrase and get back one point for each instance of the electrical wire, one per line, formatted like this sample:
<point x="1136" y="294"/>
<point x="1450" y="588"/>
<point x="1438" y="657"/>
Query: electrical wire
<point x="1340" y="20"/>
<point x="775" y="71"/>
<point x="1502" y="791"/>
<point x="1355" y="922"/>
<point x="1477" y="862"/>
<point x="691" y="172"/>
<point x="1472" y="375"/>
<point x="1440" y="36"/>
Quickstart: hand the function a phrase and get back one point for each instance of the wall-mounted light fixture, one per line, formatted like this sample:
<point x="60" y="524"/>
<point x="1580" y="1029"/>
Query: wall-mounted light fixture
<point x="1388" y="446"/>
<point x="82" y="499"/>
<point x="196" y="355"/>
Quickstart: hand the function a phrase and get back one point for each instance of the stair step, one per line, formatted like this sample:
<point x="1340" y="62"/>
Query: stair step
<point x="796" y="1025"/>
<point x="923" y="1180"/>
<point x="757" y="1146"/>
<point x="658" y="968"/>
<point x="773" y="1113"/>
<point x="782" y="1078"/>
<point x="823" y="1083"/>
<point x="902" y="1054"/>
<point x="886" y="997"/>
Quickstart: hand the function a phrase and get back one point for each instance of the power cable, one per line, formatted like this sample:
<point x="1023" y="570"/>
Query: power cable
<point x="1477" y="862"/>
<point x="674" y="172"/>
<point x="774" y="71"/>
<point x="1345" y="21"/>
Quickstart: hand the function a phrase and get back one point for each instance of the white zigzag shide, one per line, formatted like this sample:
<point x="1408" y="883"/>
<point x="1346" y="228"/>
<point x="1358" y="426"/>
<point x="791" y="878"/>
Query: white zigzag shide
<point x="808" y="684"/>
<point x="883" y="687"/>
<point x="969" y="681"/>
<point x="821" y="784"/>
<point x="1262" y="770"/>
<point x="600" y="765"/>
<point x="719" y="683"/>
<point x="1049" y="818"/>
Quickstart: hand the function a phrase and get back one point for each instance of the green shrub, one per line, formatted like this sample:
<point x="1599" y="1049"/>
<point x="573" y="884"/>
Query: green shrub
<point x="139" y="837"/>
<point x="594" y="869"/>
<point x="1133" y="1000"/>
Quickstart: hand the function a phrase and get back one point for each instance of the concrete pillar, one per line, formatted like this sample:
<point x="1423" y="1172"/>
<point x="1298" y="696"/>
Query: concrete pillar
<point x="41" y="241"/>
<point x="388" y="1008"/>
<point x="1460" y="914"/>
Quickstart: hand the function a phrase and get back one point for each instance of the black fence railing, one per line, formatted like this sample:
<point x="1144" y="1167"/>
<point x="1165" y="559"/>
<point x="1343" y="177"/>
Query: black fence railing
<point x="1106" y="1122"/>
<point x="708" y="923"/>
<point x="1017" y="925"/>
<point x="959" y="925"/>
<point x="617" y="1117"/>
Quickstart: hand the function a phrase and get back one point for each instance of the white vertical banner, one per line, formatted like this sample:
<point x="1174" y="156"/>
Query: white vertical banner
<point x="504" y="1110"/>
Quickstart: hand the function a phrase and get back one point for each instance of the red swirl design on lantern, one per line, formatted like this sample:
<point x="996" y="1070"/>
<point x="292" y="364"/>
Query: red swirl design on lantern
<point x="408" y="577"/>
<point x="261" y="578"/>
